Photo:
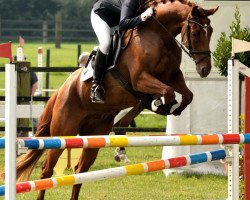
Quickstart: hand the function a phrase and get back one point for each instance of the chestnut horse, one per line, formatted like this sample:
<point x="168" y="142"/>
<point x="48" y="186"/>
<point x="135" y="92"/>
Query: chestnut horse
<point x="151" y="63"/>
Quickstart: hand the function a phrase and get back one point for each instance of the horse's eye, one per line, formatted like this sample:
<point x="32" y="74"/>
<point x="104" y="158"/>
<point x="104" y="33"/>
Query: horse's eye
<point x="196" y="34"/>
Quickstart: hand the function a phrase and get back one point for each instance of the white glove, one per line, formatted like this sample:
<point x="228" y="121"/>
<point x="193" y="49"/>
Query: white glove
<point x="147" y="14"/>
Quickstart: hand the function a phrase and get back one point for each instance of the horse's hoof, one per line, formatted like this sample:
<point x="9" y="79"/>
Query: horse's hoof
<point x="177" y="112"/>
<point x="174" y="107"/>
<point x="126" y="160"/>
<point x="117" y="158"/>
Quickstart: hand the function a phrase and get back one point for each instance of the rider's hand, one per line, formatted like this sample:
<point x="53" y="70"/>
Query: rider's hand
<point x="147" y="14"/>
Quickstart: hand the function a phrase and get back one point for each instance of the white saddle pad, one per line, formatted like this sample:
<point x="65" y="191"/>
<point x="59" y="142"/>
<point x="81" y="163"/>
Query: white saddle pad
<point x="87" y="72"/>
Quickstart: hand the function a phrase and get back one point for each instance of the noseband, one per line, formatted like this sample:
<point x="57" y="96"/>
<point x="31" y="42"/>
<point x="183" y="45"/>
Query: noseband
<point x="188" y="50"/>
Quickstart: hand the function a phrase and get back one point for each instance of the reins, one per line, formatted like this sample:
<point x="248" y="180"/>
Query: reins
<point x="129" y="40"/>
<point x="188" y="50"/>
<point x="180" y="44"/>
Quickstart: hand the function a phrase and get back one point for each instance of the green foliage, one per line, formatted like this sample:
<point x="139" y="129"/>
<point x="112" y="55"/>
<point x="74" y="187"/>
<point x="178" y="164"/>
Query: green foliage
<point x="18" y="16"/>
<point x="222" y="53"/>
<point x="224" y="45"/>
<point x="46" y="9"/>
<point x="76" y="9"/>
<point x="28" y="9"/>
<point x="242" y="123"/>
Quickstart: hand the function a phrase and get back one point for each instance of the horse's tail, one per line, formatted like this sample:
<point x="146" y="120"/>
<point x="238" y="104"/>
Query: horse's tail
<point x="27" y="162"/>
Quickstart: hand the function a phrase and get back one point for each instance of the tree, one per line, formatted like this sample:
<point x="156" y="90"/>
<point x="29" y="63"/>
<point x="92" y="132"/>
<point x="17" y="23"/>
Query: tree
<point x="76" y="9"/>
<point x="28" y="9"/>
<point x="45" y="9"/>
<point x="224" y="46"/>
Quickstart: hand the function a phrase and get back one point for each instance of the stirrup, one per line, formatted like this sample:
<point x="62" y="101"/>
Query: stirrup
<point x="97" y="95"/>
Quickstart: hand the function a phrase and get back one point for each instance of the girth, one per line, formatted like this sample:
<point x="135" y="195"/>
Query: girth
<point x="125" y="84"/>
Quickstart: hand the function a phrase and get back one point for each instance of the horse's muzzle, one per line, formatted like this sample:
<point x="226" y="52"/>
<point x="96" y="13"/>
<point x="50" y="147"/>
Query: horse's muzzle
<point x="203" y="71"/>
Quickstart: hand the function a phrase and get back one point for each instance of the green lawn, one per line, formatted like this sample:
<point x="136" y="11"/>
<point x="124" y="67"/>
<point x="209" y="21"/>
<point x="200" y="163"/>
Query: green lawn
<point x="65" y="56"/>
<point x="152" y="186"/>
<point x="141" y="187"/>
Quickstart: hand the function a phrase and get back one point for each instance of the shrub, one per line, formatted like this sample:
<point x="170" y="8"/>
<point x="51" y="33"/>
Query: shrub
<point x="224" y="45"/>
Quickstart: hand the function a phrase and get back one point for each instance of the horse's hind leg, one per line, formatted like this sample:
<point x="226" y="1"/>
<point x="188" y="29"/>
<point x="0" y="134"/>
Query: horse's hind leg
<point x="48" y="166"/>
<point x="125" y="121"/>
<point x="86" y="160"/>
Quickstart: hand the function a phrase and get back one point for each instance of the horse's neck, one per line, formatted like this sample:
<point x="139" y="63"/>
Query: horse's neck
<point x="172" y="16"/>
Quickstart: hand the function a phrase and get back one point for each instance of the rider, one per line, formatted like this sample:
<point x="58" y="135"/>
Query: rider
<point x="104" y="15"/>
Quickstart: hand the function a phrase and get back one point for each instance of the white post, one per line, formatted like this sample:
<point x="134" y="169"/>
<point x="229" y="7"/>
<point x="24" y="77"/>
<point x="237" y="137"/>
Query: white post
<point x="40" y="74"/>
<point x="233" y="127"/>
<point x="10" y="131"/>
<point x="19" y="54"/>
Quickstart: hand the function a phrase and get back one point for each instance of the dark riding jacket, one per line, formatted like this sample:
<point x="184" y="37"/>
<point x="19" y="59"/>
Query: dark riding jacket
<point x="125" y="13"/>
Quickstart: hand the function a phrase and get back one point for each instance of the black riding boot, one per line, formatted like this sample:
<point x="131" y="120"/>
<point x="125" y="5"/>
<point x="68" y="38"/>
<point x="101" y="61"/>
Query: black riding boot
<point x="97" y="91"/>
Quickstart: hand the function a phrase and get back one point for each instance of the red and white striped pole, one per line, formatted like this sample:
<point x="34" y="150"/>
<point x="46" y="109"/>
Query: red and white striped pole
<point x="247" y="146"/>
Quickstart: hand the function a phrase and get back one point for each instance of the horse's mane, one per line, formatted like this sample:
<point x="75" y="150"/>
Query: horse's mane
<point x="148" y="3"/>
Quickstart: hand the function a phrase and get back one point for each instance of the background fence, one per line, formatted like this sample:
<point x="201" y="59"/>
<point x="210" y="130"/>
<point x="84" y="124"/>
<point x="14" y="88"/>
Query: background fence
<point x="47" y="30"/>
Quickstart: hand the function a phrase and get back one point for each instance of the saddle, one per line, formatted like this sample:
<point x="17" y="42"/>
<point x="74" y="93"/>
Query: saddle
<point x="114" y="52"/>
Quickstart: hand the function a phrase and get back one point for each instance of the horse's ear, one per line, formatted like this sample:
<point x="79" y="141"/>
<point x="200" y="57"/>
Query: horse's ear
<point x="212" y="11"/>
<point x="198" y="11"/>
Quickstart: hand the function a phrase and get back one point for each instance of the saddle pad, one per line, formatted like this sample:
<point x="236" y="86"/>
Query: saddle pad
<point x="87" y="72"/>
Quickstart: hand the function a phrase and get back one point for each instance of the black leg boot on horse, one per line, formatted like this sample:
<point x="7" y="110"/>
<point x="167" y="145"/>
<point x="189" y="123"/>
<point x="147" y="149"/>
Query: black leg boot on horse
<point x="97" y="90"/>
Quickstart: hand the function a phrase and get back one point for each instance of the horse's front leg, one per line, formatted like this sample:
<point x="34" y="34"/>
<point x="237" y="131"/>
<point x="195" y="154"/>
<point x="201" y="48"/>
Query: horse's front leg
<point x="179" y="85"/>
<point x="148" y="84"/>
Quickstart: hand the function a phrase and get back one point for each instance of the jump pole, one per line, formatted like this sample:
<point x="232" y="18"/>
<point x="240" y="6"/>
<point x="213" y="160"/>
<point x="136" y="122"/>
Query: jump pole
<point x="128" y="170"/>
<point x="234" y="68"/>
<point x="10" y="130"/>
<point x="128" y="141"/>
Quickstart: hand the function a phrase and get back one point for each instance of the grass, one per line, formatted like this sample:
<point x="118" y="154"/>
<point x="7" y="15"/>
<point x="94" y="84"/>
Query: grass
<point x="64" y="56"/>
<point x="141" y="187"/>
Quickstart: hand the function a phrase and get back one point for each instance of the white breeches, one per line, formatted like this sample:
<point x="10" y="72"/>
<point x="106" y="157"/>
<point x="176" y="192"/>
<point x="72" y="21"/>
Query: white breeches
<point x="102" y="31"/>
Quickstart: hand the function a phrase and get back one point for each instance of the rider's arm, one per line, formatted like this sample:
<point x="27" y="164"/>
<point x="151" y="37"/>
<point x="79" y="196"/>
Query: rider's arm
<point x="128" y="15"/>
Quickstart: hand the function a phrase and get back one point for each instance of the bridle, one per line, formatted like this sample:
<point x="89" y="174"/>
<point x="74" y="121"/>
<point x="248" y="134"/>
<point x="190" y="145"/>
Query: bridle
<point x="207" y="53"/>
<point x="189" y="49"/>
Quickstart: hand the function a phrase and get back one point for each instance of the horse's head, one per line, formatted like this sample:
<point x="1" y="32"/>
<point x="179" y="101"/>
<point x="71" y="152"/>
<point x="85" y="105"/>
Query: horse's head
<point x="175" y="16"/>
<point x="196" y="34"/>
